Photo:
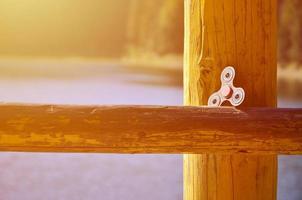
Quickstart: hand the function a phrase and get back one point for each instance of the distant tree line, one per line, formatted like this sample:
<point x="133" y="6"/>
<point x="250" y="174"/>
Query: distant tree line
<point x="290" y="31"/>
<point x="157" y="26"/>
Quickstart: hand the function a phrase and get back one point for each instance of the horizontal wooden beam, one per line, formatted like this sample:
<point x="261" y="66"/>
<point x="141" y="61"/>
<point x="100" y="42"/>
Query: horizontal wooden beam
<point x="149" y="129"/>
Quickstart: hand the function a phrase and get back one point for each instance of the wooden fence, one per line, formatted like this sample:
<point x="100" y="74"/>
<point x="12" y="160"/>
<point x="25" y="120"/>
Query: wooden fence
<point x="229" y="153"/>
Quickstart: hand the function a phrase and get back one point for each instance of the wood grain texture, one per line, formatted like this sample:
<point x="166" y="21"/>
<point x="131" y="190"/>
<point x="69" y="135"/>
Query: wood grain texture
<point x="240" y="33"/>
<point x="149" y="129"/>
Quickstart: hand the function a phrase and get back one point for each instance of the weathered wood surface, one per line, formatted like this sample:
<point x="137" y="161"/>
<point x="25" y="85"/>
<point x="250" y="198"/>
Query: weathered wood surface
<point x="219" y="33"/>
<point x="149" y="129"/>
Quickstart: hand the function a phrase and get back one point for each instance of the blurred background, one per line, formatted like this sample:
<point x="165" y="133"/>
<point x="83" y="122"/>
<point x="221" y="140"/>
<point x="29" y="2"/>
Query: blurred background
<point x="114" y="52"/>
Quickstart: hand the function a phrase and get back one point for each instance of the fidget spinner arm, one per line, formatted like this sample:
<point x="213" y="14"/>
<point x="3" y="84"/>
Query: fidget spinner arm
<point x="227" y="92"/>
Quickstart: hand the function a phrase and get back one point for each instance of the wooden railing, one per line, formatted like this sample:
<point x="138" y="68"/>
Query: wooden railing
<point x="150" y="129"/>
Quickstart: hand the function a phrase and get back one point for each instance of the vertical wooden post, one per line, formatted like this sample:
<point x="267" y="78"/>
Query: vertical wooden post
<point x="242" y="34"/>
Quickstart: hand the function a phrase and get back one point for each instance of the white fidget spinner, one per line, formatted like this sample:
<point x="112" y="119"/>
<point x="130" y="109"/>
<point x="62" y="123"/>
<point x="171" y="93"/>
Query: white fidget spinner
<point x="227" y="92"/>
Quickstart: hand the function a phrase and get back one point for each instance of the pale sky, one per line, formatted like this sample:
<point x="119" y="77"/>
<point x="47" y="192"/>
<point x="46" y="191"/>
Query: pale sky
<point x="62" y="27"/>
